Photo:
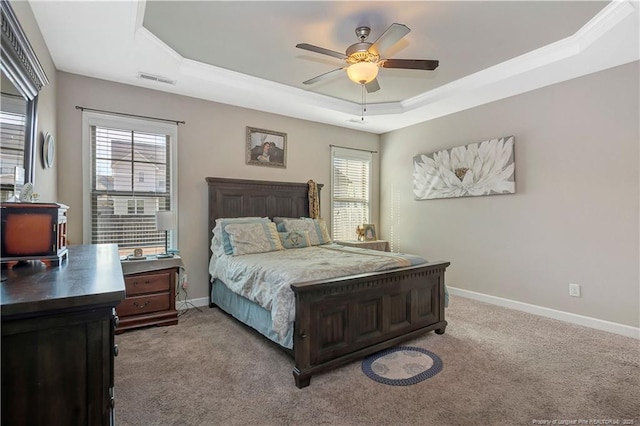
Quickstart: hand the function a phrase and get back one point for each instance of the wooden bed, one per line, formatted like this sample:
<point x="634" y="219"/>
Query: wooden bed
<point x="340" y="320"/>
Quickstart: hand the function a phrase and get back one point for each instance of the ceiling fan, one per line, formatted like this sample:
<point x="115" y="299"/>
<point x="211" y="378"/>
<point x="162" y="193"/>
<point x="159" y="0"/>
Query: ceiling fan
<point x="363" y="58"/>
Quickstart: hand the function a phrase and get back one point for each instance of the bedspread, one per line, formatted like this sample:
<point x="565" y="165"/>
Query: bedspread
<point x="266" y="278"/>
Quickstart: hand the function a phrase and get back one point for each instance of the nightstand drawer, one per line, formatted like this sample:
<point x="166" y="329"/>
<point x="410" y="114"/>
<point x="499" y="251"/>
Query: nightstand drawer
<point x="148" y="283"/>
<point x="144" y="304"/>
<point x="150" y="290"/>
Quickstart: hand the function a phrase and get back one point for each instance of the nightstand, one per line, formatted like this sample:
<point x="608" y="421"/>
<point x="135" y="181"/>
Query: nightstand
<point x="150" y="286"/>
<point x="380" y="245"/>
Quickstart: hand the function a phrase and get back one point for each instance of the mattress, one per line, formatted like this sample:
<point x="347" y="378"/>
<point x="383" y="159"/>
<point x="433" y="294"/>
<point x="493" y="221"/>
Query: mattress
<point x="265" y="278"/>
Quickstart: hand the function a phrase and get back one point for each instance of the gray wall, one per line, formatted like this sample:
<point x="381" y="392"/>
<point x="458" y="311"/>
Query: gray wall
<point x="46" y="183"/>
<point x="574" y="217"/>
<point x="211" y="143"/>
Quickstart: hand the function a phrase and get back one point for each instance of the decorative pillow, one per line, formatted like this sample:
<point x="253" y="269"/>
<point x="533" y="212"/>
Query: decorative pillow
<point x="317" y="228"/>
<point x="295" y="239"/>
<point x="247" y="238"/>
<point x="224" y="236"/>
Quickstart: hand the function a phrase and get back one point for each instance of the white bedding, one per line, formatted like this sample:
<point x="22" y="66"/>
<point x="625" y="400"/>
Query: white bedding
<point x="266" y="278"/>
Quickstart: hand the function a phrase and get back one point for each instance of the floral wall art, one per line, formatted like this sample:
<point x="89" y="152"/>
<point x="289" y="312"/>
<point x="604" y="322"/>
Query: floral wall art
<point x="484" y="168"/>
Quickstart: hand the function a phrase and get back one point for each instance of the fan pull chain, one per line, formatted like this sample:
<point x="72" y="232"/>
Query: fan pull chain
<point x="364" y="103"/>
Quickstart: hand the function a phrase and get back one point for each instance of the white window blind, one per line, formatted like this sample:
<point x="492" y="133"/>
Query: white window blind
<point x="12" y="126"/>
<point x="350" y="191"/>
<point x="123" y="206"/>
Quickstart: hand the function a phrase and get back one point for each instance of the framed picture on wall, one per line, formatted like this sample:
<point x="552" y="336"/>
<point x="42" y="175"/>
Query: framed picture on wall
<point x="485" y="168"/>
<point x="266" y="148"/>
<point x="369" y="232"/>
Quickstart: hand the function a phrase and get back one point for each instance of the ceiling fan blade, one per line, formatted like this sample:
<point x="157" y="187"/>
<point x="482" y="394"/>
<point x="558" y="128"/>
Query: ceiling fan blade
<point x="372" y="86"/>
<point x="321" y="50"/>
<point x="391" y="36"/>
<point x="321" y="76"/>
<point x="411" y="64"/>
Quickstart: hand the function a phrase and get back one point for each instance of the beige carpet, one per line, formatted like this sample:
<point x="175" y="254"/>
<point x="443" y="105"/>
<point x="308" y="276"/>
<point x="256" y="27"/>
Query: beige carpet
<point x="500" y="367"/>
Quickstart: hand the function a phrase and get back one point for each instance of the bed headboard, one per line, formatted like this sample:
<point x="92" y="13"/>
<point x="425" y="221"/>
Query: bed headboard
<point x="240" y="197"/>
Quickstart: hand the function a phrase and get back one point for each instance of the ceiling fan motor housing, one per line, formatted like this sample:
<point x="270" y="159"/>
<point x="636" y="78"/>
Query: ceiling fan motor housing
<point x="358" y="52"/>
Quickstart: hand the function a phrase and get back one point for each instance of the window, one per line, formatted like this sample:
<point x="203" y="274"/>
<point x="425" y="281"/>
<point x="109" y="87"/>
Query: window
<point x="350" y="191"/>
<point x="135" y="206"/>
<point x="12" y="142"/>
<point x="130" y="174"/>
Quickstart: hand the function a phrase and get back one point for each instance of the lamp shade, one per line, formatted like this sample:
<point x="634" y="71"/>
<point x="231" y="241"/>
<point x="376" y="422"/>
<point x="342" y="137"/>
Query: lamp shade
<point x="165" y="220"/>
<point x="362" y="72"/>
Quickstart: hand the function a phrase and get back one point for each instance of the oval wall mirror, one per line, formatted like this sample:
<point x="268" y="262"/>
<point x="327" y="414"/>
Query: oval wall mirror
<point x="48" y="150"/>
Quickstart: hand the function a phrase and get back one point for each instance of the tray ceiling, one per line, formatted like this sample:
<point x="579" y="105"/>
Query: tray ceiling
<point x="243" y="53"/>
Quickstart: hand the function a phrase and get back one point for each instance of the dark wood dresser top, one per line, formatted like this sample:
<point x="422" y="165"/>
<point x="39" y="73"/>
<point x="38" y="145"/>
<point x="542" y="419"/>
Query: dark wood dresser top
<point x="92" y="275"/>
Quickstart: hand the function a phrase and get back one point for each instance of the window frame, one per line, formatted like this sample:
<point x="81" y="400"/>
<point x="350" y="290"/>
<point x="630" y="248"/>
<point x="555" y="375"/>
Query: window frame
<point x="354" y="154"/>
<point x="90" y="119"/>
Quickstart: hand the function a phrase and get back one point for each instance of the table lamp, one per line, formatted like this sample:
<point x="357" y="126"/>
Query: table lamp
<point x="165" y="221"/>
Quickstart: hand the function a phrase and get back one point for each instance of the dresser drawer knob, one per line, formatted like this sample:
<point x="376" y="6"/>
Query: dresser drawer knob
<point x="115" y="350"/>
<point x="141" y="306"/>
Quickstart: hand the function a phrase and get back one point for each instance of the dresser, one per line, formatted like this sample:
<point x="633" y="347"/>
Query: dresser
<point x="58" y="348"/>
<point x="150" y="293"/>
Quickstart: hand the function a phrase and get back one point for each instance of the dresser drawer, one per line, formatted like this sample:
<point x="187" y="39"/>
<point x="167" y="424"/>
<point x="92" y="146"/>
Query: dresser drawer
<point x="148" y="283"/>
<point x="144" y="304"/>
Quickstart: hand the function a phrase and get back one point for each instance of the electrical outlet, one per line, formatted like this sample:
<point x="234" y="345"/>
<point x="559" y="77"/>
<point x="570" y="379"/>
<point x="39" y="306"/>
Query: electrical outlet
<point x="574" y="290"/>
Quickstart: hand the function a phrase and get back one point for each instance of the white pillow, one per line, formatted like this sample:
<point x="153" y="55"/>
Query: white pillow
<point x="279" y="221"/>
<point x="247" y="238"/>
<point x="222" y="224"/>
<point x="216" y="244"/>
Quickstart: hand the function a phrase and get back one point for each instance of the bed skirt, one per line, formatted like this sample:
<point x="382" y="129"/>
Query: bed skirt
<point x="248" y="313"/>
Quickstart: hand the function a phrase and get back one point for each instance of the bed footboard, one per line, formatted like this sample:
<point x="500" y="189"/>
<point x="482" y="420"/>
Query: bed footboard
<point x="341" y="320"/>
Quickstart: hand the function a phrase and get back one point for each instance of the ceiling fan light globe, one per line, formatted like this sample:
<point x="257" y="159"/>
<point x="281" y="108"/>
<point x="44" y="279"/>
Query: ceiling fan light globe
<point x="362" y="72"/>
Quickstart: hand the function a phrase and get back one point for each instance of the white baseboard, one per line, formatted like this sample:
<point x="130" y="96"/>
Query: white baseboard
<point x="598" y="324"/>
<point x="190" y="303"/>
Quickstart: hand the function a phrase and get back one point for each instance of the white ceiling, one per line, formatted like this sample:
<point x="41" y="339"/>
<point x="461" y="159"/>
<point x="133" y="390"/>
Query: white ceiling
<point x="244" y="54"/>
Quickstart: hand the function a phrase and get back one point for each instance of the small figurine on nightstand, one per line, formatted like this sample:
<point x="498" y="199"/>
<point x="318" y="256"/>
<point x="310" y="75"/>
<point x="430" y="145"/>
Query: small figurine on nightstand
<point x="360" y="232"/>
<point x="137" y="255"/>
